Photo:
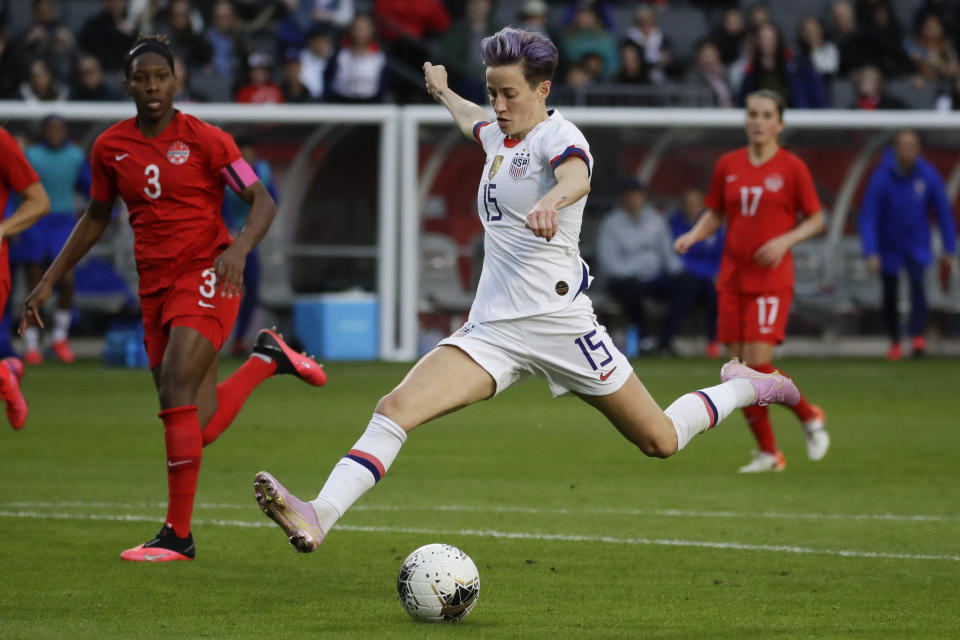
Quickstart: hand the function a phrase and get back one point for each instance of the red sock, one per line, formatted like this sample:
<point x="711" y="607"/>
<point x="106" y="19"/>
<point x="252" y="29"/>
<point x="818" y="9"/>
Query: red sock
<point x="233" y="392"/>
<point x="758" y="418"/>
<point x="802" y="409"/>
<point x="184" y="450"/>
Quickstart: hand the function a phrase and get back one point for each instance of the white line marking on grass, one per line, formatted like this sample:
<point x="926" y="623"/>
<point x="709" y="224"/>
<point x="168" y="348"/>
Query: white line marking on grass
<point x="665" y="513"/>
<point x="510" y="535"/>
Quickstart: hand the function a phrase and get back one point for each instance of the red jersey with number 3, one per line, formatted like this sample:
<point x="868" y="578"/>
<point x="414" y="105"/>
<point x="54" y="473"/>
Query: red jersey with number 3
<point x="759" y="203"/>
<point x="173" y="187"/>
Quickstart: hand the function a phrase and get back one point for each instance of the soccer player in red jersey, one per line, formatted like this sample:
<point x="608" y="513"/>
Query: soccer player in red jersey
<point x="759" y="190"/>
<point x="170" y="169"/>
<point x="17" y="176"/>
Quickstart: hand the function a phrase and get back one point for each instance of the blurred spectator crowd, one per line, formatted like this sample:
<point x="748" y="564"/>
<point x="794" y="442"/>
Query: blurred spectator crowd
<point x="862" y="54"/>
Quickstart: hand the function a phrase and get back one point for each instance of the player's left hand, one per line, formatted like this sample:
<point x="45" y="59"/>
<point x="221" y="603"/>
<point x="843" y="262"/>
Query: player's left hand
<point x="772" y="252"/>
<point x="229" y="268"/>
<point x="543" y="220"/>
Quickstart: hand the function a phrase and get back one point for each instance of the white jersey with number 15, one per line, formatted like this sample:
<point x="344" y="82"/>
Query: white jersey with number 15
<point x="524" y="275"/>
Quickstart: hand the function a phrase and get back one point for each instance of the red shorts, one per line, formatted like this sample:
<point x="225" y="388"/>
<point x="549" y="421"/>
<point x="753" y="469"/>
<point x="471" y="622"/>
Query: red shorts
<point x="753" y="317"/>
<point x="192" y="301"/>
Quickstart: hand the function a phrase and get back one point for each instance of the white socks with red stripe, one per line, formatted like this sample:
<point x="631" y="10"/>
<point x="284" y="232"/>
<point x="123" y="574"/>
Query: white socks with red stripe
<point x="696" y="412"/>
<point x="359" y="470"/>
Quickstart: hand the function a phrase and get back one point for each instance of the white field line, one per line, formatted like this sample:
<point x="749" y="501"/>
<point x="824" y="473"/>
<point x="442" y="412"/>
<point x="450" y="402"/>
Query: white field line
<point x="511" y="535"/>
<point x="665" y="513"/>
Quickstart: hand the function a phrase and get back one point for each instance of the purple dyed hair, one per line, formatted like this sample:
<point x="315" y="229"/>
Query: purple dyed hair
<point x="535" y="53"/>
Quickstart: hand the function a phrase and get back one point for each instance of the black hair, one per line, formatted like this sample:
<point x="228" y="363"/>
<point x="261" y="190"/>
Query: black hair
<point x="148" y="44"/>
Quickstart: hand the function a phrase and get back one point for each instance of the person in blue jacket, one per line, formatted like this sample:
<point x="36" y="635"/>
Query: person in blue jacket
<point x="895" y="231"/>
<point x="700" y="263"/>
<point x="235" y="213"/>
<point x="63" y="171"/>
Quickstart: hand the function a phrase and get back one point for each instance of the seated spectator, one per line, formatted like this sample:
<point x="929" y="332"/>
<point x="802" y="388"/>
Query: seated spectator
<point x="932" y="52"/>
<point x="39" y="85"/>
<point x="258" y="16"/>
<point x="844" y="32"/>
<point x="601" y="8"/>
<point x="260" y="89"/>
<point x="657" y="54"/>
<point x="176" y="23"/>
<point x="461" y="50"/>
<point x="822" y="54"/>
<point x="729" y="36"/>
<point x="357" y="71"/>
<point x="633" y="67"/>
<point x="774" y="67"/>
<point x="701" y="264"/>
<point x="314" y="58"/>
<point x="223" y="36"/>
<point x="48" y="38"/>
<point x="635" y="253"/>
<point x="187" y="92"/>
<point x="758" y="15"/>
<point x="947" y="10"/>
<point x="578" y="77"/>
<point x="88" y="82"/>
<point x="587" y="35"/>
<point x="533" y="16"/>
<point x="294" y="91"/>
<point x="332" y="14"/>
<point x="108" y="36"/>
<point x="708" y="71"/>
<point x="870" y="93"/>
<point x="880" y="38"/>
<point x="407" y="30"/>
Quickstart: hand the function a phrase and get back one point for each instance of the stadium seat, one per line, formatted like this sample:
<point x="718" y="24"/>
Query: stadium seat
<point x="915" y="97"/>
<point x="215" y="87"/>
<point x="905" y="10"/>
<point x="841" y="94"/>
<point x="683" y="27"/>
<point x="441" y="289"/>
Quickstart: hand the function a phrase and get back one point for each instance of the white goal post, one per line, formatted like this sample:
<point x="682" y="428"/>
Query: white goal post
<point x="401" y="189"/>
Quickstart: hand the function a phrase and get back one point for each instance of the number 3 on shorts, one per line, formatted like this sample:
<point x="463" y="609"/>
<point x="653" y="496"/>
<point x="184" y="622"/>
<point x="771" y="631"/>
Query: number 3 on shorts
<point x="209" y="285"/>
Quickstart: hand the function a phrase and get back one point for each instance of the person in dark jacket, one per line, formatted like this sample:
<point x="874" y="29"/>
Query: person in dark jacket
<point x="896" y="234"/>
<point x="774" y="67"/>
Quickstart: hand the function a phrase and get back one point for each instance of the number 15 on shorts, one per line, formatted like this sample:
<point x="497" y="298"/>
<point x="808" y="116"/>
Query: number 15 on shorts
<point x="592" y="349"/>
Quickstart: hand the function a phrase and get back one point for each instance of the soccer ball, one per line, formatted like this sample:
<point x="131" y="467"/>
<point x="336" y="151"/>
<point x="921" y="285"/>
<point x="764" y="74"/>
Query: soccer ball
<point x="438" y="582"/>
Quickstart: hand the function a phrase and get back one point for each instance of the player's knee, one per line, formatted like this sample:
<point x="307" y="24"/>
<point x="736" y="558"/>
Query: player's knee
<point x="658" y="447"/>
<point x="392" y="406"/>
<point x="175" y="389"/>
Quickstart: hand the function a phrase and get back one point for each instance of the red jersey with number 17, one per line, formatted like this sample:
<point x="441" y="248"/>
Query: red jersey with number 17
<point x="173" y="187"/>
<point x="759" y="203"/>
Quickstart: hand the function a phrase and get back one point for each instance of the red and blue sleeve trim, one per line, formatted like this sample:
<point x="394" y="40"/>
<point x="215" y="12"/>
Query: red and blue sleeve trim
<point x="371" y="463"/>
<point x="476" y="130"/>
<point x="571" y="151"/>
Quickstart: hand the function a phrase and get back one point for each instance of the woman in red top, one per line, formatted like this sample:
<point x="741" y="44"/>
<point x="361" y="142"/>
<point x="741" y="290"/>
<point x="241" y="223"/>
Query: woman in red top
<point x="759" y="190"/>
<point x="170" y="169"/>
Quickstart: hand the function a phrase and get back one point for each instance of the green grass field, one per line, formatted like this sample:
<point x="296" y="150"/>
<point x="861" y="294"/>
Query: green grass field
<point x="575" y="533"/>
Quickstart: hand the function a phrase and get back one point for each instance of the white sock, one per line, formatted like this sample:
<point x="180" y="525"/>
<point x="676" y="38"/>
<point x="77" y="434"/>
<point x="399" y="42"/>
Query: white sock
<point x="31" y="339"/>
<point x="359" y="470"/>
<point x="696" y="412"/>
<point x="61" y="324"/>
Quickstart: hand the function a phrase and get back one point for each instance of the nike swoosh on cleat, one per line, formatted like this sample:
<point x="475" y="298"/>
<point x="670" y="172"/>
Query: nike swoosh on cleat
<point x="604" y="376"/>
<point x="147" y="556"/>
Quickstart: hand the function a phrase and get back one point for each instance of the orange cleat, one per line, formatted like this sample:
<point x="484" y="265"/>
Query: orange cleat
<point x="271" y="345"/>
<point x="61" y="349"/>
<point x="895" y="354"/>
<point x="33" y="356"/>
<point x="713" y="349"/>
<point x="919" y="346"/>
<point x="166" y="547"/>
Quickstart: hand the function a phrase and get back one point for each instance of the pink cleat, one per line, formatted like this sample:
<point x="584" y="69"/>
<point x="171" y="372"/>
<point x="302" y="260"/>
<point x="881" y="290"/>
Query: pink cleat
<point x="771" y="388"/>
<point x="63" y="352"/>
<point x="271" y="344"/>
<point x="166" y="547"/>
<point x="11" y="371"/>
<point x="33" y="356"/>
<point x="296" y="517"/>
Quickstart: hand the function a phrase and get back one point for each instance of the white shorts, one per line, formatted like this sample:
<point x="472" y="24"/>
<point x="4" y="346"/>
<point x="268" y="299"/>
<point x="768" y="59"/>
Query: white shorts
<point x="568" y="349"/>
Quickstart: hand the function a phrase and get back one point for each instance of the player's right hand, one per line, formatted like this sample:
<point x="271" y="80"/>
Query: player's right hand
<point x="31" y="307"/>
<point x="435" y="78"/>
<point x="683" y="243"/>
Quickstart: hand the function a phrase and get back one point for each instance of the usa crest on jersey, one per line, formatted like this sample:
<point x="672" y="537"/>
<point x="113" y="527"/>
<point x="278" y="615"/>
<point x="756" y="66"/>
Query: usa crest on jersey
<point x="519" y="165"/>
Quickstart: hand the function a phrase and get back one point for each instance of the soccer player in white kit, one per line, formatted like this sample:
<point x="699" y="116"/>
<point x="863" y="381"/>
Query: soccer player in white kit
<point x="531" y="315"/>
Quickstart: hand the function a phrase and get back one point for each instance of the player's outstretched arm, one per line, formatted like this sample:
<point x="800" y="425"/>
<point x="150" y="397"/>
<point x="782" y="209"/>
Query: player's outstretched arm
<point x="85" y="234"/>
<point x="708" y="224"/>
<point x="35" y="205"/>
<point x="573" y="183"/>
<point x="772" y="251"/>
<point x="465" y="113"/>
<point x="229" y="264"/>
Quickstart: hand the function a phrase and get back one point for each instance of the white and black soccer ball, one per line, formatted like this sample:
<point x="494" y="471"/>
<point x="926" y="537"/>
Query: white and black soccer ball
<point x="438" y="582"/>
